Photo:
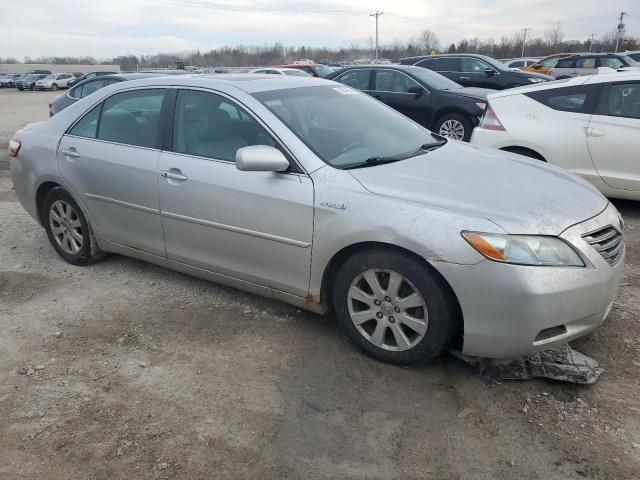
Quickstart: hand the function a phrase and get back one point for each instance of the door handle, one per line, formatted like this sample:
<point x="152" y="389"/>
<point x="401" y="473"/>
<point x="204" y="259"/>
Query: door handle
<point x="70" y="152"/>
<point x="594" y="132"/>
<point x="173" y="174"/>
<point x="465" y="78"/>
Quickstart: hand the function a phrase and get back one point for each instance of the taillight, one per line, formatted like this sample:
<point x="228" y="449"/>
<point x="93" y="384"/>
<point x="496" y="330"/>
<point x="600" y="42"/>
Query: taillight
<point x="490" y="121"/>
<point x="14" y="147"/>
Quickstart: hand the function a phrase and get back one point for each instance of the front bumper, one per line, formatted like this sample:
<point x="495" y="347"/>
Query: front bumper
<point x="511" y="310"/>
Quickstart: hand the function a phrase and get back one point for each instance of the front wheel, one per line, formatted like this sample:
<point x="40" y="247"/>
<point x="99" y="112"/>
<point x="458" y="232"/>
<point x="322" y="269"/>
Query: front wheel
<point x="455" y="126"/>
<point x="394" y="307"/>
<point x="54" y="87"/>
<point x="68" y="229"/>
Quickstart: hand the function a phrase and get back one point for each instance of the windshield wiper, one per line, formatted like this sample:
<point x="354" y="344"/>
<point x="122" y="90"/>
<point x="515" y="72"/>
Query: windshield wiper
<point x="372" y="161"/>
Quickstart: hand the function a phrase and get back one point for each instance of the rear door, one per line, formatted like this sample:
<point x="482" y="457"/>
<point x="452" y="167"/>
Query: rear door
<point x="392" y="87"/>
<point x="447" y="66"/>
<point x="613" y="135"/>
<point x="253" y="226"/>
<point x="110" y="160"/>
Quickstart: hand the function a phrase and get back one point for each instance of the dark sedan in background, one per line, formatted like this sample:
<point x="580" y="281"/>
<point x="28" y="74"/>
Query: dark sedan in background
<point x="87" y="76"/>
<point x="471" y="70"/>
<point x="428" y="98"/>
<point x="89" y="86"/>
<point x="28" y="82"/>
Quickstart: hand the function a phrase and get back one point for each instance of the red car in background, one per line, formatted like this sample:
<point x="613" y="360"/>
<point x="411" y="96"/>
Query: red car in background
<point x="313" y="69"/>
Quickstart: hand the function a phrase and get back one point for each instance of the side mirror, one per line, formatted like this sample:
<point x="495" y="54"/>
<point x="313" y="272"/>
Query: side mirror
<point x="261" y="158"/>
<point x="490" y="72"/>
<point x="417" y="89"/>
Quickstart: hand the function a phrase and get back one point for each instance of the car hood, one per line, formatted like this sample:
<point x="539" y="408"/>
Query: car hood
<point x="472" y="92"/>
<point x="523" y="196"/>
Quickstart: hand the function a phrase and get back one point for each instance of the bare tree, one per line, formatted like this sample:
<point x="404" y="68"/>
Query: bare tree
<point x="554" y="36"/>
<point x="428" y="41"/>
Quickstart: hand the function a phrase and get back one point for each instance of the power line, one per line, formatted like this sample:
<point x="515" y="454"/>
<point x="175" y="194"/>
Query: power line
<point x="377" y="14"/>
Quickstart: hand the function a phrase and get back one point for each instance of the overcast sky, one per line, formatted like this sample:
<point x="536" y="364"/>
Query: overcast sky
<point x="114" y="27"/>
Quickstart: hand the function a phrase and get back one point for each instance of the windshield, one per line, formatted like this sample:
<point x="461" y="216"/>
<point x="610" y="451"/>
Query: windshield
<point x="343" y="126"/>
<point x="630" y="61"/>
<point x="433" y="79"/>
<point x="296" y="73"/>
<point x="323" y="71"/>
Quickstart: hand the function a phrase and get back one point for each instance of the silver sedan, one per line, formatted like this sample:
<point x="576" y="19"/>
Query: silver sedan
<point x="316" y="194"/>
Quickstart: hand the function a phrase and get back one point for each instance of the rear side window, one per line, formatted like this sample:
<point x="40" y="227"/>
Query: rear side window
<point x="88" y="125"/>
<point x="578" y="99"/>
<point x="588" y="62"/>
<point x="566" y="63"/>
<point x="517" y="63"/>
<point x="442" y="64"/>
<point x="356" y="78"/>
<point x="132" y="118"/>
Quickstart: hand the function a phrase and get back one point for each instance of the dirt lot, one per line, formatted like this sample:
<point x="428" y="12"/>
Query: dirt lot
<point x="126" y="370"/>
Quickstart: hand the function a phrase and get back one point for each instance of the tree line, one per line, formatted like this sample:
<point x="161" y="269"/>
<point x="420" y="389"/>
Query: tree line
<point x="426" y="42"/>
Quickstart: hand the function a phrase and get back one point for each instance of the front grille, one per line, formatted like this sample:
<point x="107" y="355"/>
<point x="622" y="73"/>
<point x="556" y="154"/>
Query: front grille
<point x="608" y="242"/>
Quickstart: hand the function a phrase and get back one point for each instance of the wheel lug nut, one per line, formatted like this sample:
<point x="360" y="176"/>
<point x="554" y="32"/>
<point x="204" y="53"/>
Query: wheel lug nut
<point x="397" y="310"/>
<point x="377" y="302"/>
<point x="379" y="314"/>
<point x="388" y="299"/>
<point x="392" y="320"/>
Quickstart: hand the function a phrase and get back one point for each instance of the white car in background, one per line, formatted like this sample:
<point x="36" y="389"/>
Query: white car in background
<point x="294" y="72"/>
<point x="55" y="81"/>
<point x="589" y="125"/>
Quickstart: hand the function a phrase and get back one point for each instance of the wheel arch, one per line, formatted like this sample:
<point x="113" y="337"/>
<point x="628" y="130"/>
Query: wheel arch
<point x="525" y="151"/>
<point x="438" y="114"/>
<point x="41" y="194"/>
<point x="332" y="267"/>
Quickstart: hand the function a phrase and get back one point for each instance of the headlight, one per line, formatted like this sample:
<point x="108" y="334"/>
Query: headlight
<point x="481" y="105"/>
<point x="524" y="249"/>
<point x="536" y="80"/>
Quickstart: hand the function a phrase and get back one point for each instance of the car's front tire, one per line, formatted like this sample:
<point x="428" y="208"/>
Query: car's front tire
<point x="68" y="229"/>
<point x="455" y="126"/>
<point x="54" y="87"/>
<point x="393" y="306"/>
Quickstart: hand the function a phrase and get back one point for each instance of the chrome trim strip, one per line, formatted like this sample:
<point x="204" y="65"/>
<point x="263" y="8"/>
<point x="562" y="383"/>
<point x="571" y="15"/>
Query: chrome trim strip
<point x="231" y="228"/>
<point x="120" y="203"/>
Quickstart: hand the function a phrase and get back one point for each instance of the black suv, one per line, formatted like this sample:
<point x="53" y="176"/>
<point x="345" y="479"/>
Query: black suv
<point x="428" y="98"/>
<point x="471" y="70"/>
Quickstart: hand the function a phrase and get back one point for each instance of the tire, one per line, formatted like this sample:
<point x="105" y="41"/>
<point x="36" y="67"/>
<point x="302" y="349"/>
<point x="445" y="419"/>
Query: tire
<point x="60" y="211"/>
<point x="459" y="126"/>
<point x="21" y="89"/>
<point x="382" y="324"/>
<point x="54" y="87"/>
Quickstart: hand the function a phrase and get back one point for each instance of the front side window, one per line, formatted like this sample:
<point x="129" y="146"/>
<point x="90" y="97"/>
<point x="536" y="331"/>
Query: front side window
<point x="209" y="125"/>
<point x="472" y="65"/>
<point x="356" y="79"/>
<point x="566" y="63"/>
<point x="622" y="100"/>
<point x="611" y="62"/>
<point x="132" y="117"/>
<point x="392" y="81"/>
<point x="344" y="127"/>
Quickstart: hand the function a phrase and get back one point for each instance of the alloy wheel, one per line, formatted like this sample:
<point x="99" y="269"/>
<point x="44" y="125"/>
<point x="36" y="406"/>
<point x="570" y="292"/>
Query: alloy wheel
<point x="452" y="129"/>
<point x="387" y="309"/>
<point x="66" y="227"/>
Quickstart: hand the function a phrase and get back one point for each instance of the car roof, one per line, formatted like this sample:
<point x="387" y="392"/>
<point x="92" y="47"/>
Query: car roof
<point x="439" y="55"/>
<point x="568" y="82"/>
<point x="248" y="82"/>
<point x="298" y="65"/>
<point x="578" y="55"/>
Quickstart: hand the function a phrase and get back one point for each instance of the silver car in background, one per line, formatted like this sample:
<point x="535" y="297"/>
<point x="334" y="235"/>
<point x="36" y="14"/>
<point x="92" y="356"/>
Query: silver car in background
<point x="311" y="192"/>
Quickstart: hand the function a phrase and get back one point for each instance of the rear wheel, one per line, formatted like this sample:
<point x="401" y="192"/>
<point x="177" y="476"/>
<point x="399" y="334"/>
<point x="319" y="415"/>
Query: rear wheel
<point x="68" y="229"/>
<point x="455" y="126"/>
<point x="393" y="307"/>
<point x="54" y="87"/>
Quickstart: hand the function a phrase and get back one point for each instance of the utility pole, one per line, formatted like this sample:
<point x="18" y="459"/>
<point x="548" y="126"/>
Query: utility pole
<point x="591" y="39"/>
<point x="524" y="39"/>
<point x="377" y="15"/>
<point x="620" y="30"/>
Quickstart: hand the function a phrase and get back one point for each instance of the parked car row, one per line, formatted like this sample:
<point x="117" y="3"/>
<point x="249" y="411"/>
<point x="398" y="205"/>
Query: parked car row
<point x="45" y="80"/>
<point x="416" y="243"/>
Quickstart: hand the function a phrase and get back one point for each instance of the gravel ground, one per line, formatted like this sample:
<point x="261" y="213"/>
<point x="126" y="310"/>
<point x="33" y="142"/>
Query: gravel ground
<point x="126" y="370"/>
